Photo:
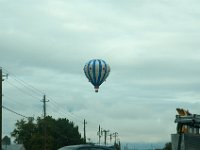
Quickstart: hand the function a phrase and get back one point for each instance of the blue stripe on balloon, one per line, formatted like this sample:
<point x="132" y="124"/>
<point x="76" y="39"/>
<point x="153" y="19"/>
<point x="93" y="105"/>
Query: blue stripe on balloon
<point x="93" y="71"/>
<point x="88" y="69"/>
<point x="100" y="69"/>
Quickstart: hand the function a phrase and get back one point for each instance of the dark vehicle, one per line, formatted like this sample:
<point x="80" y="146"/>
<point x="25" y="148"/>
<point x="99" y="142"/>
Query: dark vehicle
<point x="86" y="147"/>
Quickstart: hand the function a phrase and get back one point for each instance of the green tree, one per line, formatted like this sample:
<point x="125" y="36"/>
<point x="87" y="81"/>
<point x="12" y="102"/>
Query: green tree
<point x="59" y="132"/>
<point x="24" y="131"/>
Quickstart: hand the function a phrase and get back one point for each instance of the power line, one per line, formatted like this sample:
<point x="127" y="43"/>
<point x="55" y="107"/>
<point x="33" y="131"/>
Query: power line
<point x="12" y="101"/>
<point x="30" y="87"/>
<point x="14" y="112"/>
<point x="22" y="87"/>
<point x="63" y="110"/>
<point x="22" y="90"/>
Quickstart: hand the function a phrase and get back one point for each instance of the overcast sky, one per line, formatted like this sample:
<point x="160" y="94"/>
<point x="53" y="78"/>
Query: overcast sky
<point x="152" y="47"/>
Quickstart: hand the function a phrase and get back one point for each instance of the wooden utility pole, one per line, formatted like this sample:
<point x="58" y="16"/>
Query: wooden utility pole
<point x="45" y="126"/>
<point x="1" y="78"/>
<point x="84" y="131"/>
<point x="1" y="95"/>
<point x="115" y="136"/>
<point x="99" y="133"/>
<point x="105" y="135"/>
<point x="44" y="104"/>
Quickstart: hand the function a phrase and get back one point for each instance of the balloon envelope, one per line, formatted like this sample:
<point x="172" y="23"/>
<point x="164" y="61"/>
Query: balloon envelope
<point x="96" y="70"/>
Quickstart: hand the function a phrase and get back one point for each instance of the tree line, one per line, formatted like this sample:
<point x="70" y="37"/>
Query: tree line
<point x="50" y="134"/>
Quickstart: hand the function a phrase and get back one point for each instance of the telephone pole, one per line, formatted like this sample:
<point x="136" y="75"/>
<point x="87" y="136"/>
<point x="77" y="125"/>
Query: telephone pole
<point x="84" y="131"/>
<point x="115" y="136"/>
<point x="99" y="133"/>
<point x="105" y="135"/>
<point x="44" y="104"/>
<point x="110" y="137"/>
<point x="1" y="76"/>
<point x="45" y="126"/>
<point x="1" y="94"/>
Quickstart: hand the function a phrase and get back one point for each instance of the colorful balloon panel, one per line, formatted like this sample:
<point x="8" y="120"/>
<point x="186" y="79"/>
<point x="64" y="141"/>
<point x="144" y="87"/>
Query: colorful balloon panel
<point x="96" y="70"/>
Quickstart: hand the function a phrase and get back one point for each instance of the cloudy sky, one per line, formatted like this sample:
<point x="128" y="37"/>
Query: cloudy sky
<point x="152" y="48"/>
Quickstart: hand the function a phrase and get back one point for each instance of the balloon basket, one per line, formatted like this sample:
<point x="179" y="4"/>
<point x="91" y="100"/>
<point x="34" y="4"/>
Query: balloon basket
<point x="96" y="89"/>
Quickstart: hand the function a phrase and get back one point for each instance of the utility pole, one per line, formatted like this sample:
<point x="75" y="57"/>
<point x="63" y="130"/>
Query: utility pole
<point x="1" y="76"/>
<point x="110" y="137"/>
<point x="44" y="104"/>
<point x="84" y="131"/>
<point x="105" y="135"/>
<point x="45" y="126"/>
<point x="115" y="136"/>
<point x="99" y="133"/>
<point x="1" y="95"/>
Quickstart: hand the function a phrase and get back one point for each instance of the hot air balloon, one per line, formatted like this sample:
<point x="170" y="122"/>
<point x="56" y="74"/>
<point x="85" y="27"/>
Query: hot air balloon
<point x="96" y="70"/>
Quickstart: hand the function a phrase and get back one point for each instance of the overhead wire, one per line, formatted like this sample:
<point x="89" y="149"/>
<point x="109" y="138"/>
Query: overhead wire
<point x="13" y="102"/>
<point x="8" y="109"/>
<point x="10" y="100"/>
<point x="78" y="118"/>
<point x="25" y="84"/>
<point x="23" y="88"/>
<point x="60" y="109"/>
<point x="19" y="96"/>
<point x="24" y="91"/>
<point x="63" y="110"/>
